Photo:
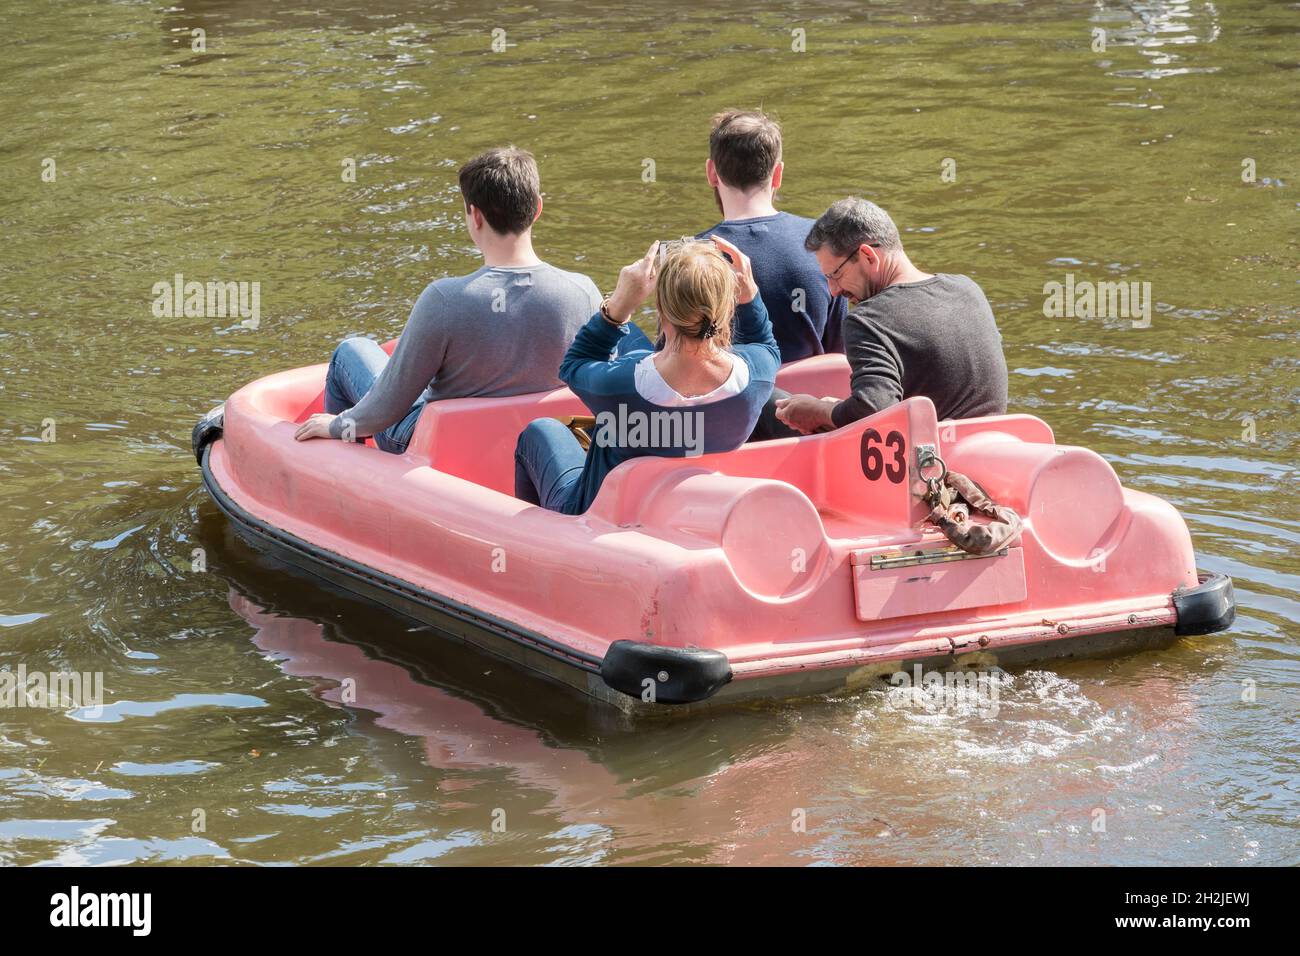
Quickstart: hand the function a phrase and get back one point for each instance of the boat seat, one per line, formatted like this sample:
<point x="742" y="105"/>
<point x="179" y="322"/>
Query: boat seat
<point x="835" y="470"/>
<point x="817" y="375"/>
<point x="474" y="438"/>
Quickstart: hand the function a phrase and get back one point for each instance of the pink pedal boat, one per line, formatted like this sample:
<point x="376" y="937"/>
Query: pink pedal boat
<point x="784" y="568"/>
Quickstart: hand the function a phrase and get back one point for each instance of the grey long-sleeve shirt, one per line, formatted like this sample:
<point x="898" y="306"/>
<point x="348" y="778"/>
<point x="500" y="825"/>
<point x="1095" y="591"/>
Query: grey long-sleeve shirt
<point x="936" y="338"/>
<point x="495" y="332"/>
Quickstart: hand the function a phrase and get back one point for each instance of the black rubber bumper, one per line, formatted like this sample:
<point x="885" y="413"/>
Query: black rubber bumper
<point x="664" y="675"/>
<point x="1206" y="608"/>
<point x="207" y="431"/>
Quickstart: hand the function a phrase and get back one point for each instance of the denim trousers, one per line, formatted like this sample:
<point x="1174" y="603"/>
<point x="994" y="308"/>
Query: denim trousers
<point x="354" y="367"/>
<point x="548" y="464"/>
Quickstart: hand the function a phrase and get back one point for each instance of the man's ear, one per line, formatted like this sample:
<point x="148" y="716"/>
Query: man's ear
<point x="711" y="174"/>
<point x="776" y="176"/>
<point x="473" y="215"/>
<point x="870" y="254"/>
<point x="538" y="214"/>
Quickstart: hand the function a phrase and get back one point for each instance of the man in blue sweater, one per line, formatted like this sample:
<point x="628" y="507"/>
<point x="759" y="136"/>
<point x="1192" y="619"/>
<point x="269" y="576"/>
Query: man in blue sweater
<point x="744" y="168"/>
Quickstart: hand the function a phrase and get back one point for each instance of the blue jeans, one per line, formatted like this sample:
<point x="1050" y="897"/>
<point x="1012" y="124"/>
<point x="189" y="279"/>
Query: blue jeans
<point x="548" y="464"/>
<point x="354" y="367"/>
<point x="548" y="458"/>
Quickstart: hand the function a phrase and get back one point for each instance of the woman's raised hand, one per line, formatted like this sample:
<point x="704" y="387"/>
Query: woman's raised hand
<point x="635" y="282"/>
<point x="740" y="265"/>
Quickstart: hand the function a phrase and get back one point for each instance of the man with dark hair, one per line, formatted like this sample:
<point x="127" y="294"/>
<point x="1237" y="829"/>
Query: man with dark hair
<point x="501" y="330"/>
<point x="910" y="333"/>
<point x="503" y="184"/>
<point x="744" y="168"/>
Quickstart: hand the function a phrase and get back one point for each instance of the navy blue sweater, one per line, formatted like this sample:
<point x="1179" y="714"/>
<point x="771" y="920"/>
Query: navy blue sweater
<point x="803" y="325"/>
<point x="628" y="426"/>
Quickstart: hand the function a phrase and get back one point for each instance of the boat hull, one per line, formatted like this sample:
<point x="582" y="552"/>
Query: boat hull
<point x="695" y="681"/>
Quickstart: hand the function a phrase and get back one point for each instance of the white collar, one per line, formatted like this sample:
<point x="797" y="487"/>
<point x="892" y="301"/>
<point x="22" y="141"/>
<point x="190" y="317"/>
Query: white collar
<point x="651" y="386"/>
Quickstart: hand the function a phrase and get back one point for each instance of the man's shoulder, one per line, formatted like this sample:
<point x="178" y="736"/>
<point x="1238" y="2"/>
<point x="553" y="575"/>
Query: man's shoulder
<point x="960" y="282"/>
<point x="450" y="286"/>
<point x="869" y="317"/>
<point x="919" y="304"/>
<point x="791" y="219"/>
<point x="779" y="235"/>
<point x="969" y="294"/>
<point x="480" y="283"/>
<point x="903" y="295"/>
<point x="778" y="223"/>
<point x="566" y="277"/>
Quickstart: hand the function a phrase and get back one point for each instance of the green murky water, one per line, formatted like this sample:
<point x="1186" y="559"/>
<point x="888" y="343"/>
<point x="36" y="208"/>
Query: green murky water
<point x="223" y="686"/>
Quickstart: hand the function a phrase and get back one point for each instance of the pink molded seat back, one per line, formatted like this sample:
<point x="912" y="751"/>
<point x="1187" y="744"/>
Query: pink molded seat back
<point x="819" y="375"/>
<point x="474" y="438"/>
<point x="861" y="475"/>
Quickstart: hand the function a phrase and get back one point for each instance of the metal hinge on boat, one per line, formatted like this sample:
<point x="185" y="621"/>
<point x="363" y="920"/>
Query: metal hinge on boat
<point x="919" y="580"/>
<point x="906" y="559"/>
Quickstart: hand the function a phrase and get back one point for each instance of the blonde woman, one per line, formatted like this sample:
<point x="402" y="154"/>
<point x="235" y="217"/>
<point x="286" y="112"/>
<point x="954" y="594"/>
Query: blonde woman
<point x="702" y="391"/>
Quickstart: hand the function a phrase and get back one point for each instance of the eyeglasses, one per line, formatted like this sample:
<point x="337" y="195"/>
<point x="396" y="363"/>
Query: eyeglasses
<point x="834" y="276"/>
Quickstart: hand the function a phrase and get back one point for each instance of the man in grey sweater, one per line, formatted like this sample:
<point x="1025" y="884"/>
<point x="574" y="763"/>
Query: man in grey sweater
<point x="501" y="330"/>
<point x="909" y="332"/>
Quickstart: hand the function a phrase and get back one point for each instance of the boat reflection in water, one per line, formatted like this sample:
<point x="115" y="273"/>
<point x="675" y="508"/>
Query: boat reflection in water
<point x="644" y="790"/>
